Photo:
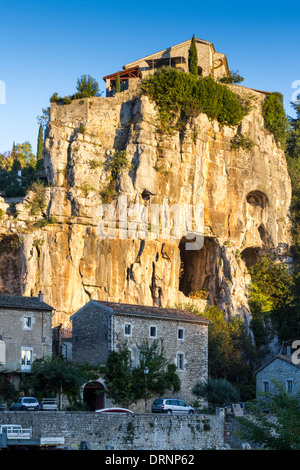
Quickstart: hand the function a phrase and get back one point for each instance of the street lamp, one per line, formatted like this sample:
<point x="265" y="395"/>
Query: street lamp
<point x="146" y="371"/>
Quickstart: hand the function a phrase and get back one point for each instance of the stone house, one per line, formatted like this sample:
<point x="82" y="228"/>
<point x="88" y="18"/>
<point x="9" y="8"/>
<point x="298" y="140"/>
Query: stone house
<point x="101" y="327"/>
<point x="210" y="62"/>
<point x="25" y="333"/>
<point x="283" y="369"/>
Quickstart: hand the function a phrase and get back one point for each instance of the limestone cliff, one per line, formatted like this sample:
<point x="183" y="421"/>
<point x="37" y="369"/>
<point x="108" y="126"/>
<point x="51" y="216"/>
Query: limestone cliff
<point x="245" y="194"/>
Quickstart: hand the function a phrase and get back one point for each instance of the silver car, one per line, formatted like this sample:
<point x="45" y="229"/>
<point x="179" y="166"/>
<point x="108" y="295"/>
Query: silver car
<point x="171" y="406"/>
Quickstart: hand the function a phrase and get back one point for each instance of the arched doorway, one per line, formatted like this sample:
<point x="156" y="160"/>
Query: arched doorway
<point x="93" y="395"/>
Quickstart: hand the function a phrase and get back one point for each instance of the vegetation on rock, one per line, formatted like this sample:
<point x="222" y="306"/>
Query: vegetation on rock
<point x="20" y="158"/>
<point x="180" y="96"/>
<point x="233" y="77"/>
<point x="86" y="87"/>
<point x="275" y="118"/>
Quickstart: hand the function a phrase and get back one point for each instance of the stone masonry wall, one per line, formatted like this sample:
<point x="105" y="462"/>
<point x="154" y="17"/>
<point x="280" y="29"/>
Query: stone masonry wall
<point x="281" y="371"/>
<point x="193" y="346"/>
<point x="38" y="337"/>
<point x="124" y="432"/>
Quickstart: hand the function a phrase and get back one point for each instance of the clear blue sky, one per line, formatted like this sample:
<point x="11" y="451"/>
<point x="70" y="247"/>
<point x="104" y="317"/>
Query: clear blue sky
<point x="46" y="46"/>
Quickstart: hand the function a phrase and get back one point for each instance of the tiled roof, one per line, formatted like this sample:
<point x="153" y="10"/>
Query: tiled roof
<point x="25" y="303"/>
<point x="154" y="312"/>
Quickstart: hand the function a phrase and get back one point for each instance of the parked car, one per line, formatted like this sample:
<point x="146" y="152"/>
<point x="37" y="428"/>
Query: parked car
<point x="114" y="410"/>
<point x="25" y="403"/>
<point x="171" y="405"/>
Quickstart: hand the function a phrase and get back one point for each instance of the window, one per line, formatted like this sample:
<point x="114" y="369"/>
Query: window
<point x="27" y="323"/>
<point x="152" y="331"/>
<point x="26" y="359"/>
<point x="266" y="386"/>
<point x="180" y="333"/>
<point x="180" y="361"/>
<point x="127" y="329"/>
<point x="289" y="386"/>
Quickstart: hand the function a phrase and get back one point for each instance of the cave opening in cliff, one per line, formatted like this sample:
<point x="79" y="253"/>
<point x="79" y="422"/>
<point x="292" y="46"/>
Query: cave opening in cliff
<point x="251" y="256"/>
<point x="257" y="199"/>
<point x="199" y="270"/>
<point x="10" y="265"/>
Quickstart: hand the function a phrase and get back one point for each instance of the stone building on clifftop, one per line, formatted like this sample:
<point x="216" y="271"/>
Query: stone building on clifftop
<point x="210" y="62"/>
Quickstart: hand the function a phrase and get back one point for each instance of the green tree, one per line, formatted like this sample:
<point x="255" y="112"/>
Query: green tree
<point x="293" y="160"/>
<point x="231" y="352"/>
<point x="161" y="376"/>
<point x="118" y="377"/>
<point x="217" y="391"/>
<point x="275" y="118"/>
<point x="126" y="384"/>
<point x="271" y="292"/>
<point x="193" y="58"/>
<point x="52" y="377"/>
<point x="40" y="144"/>
<point x="233" y="77"/>
<point x="86" y="86"/>
<point x="118" y="84"/>
<point x="21" y="158"/>
<point x="280" y="428"/>
<point x="293" y="140"/>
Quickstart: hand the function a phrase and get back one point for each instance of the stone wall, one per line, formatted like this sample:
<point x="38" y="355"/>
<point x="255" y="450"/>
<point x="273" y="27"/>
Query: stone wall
<point x="124" y="432"/>
<point x="280" y="370"/>
<point x="194" y="347"/>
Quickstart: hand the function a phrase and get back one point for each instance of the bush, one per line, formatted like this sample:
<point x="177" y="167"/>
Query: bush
<point x="87" y="86"/>
<point x="233" y="77"/>
<point x="182" y="95"/>
<point x="37" y="202"/>
<point x="217" y="392"/>
<point x="275" y="117"/>
<point x="242" y="141"/>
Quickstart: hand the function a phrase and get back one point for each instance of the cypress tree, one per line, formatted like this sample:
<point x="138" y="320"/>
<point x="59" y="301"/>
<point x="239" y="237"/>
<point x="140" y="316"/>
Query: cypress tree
<point x="40" y="147"/>
<point x="40" y="144"/>
<point x="118" y="84"/>
<point x="193" y="58"/>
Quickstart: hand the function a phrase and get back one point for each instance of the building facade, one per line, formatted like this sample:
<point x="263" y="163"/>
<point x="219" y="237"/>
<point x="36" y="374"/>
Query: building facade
<point x="101" y="327"/>
<point x="281" y="370"/>
<point x="25" y="332"/>
<point x="210" y="62"/>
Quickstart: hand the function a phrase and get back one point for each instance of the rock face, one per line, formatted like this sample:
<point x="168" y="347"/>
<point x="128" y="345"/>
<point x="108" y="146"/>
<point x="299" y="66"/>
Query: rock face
<point x="245" y="197"/>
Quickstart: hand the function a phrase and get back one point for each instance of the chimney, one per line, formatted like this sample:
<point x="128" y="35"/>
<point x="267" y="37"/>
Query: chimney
<point x="40" y="297"/>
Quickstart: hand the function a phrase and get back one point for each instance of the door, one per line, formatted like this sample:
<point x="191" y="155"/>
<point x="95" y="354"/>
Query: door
<point x="94" y="396"/>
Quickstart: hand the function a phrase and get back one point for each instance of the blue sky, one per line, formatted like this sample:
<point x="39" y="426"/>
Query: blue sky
<point x="46" y="46"/>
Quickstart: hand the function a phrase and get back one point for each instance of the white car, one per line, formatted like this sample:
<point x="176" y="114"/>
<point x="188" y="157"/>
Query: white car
<point x="26" y="403"/>
<point x="171" y="406"/>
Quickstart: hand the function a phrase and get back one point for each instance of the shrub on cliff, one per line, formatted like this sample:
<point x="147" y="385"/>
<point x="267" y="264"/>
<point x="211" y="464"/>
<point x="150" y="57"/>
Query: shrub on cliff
<point x="275" y="118"/>
<point x="182" y="95"/>
<point x="86" y="86"/>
